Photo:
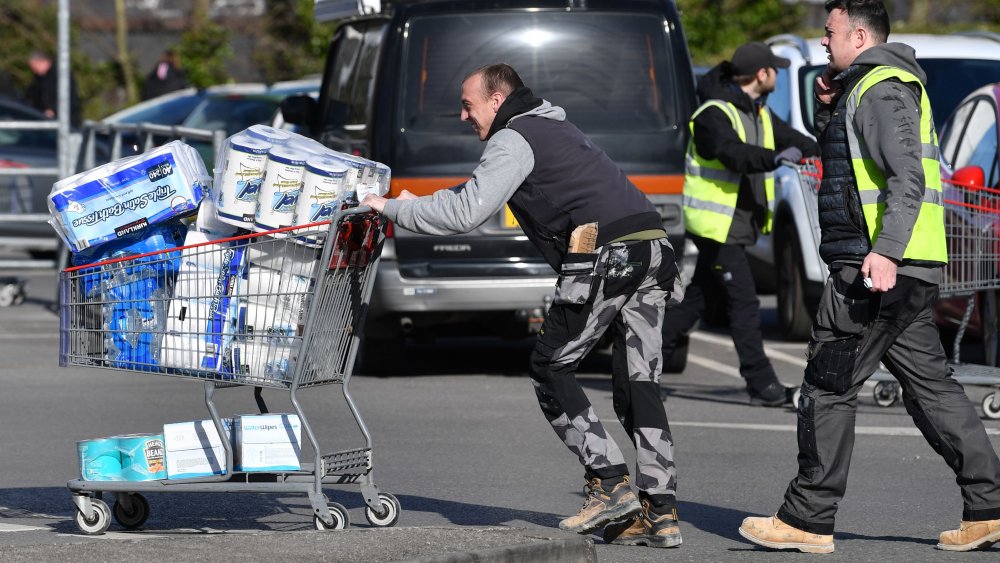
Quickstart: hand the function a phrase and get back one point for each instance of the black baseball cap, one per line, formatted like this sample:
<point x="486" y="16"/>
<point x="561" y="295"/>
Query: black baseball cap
<point x="751" y="57"/>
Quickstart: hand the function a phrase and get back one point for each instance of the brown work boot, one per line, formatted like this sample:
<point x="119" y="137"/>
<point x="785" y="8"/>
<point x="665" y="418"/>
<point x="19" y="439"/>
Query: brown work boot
<point x="775" y="534"/>
<point x="601" y="506"/>
<point x="646" y="528"/>
<point x="970" y="535"/>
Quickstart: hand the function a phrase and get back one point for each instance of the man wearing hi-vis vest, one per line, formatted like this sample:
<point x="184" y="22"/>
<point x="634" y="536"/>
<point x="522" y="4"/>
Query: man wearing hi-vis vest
<point x="882" y="220"/>
<point x="736" y="143"/>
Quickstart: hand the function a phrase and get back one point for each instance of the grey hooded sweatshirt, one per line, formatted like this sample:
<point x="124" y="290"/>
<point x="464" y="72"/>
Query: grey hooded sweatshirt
<point x="888" y="121"/>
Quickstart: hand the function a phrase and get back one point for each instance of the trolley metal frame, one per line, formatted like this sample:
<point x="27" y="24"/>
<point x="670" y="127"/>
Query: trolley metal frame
<point x="323" y="349"/>
<point x="972" y="232"/>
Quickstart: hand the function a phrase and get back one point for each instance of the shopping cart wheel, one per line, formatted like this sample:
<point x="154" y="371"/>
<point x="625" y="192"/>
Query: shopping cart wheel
<point x="96" y="524"/>
<point x="131" y="510"/>
<point x="886" y="393"/>
<point x="341" y="519"/>
<point x="389" y="514"/>
<point x="991" y="406"/>
<point x="795" y="397"/>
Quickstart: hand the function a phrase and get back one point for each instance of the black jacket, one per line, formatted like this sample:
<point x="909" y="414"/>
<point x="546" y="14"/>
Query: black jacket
<point x="714" y="137"/>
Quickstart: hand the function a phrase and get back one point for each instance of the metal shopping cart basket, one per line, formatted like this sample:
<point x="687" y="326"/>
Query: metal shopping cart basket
<point x="282" y="309"/>
<point x="972" y="231"/>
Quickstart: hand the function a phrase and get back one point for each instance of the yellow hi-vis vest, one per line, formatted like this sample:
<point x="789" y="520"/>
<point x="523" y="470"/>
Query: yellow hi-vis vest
<point x="710" y="190"/>
<point x="927" y="242"/>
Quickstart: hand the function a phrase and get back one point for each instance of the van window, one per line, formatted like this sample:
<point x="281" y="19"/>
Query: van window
<point x="613" y="73"/>
<point x="352" y="71"/>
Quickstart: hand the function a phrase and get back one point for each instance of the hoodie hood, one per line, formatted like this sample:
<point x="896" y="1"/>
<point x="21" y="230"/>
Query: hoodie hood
<point x="717" y="84"/>
<point x="520" y="101"/>
<point x="898" y="55"/>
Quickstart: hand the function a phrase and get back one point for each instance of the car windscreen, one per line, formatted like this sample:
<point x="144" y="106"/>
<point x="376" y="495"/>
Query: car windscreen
<point x="232" y="113"/>
<point x="613" y="73"/>
<point x="170" y="112"/>
<point x="949" y="81"/>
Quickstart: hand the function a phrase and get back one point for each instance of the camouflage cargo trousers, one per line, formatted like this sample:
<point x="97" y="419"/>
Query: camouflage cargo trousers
<point x="623" y="287"/>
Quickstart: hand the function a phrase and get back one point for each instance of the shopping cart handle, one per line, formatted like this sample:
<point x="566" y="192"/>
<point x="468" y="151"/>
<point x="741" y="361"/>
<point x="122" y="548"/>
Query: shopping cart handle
<point x="357" y="210"/>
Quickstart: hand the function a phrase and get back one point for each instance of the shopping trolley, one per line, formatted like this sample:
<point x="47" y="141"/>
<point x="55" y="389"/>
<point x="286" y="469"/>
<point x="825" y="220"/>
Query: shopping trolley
<point x="972" y="233"/>
<point x="302" y="293"/>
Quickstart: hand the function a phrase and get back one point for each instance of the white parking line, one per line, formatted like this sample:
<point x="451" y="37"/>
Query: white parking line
<point x="719" y="367"/>
<point x="866" y="430"/>
<point x="771" y="351"/>
<point x="18" y="528"/>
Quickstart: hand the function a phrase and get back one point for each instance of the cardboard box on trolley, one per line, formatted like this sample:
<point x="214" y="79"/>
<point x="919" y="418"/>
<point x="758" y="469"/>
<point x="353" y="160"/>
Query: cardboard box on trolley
<point x="268" y="442"/>
<point x="194" y="449"/>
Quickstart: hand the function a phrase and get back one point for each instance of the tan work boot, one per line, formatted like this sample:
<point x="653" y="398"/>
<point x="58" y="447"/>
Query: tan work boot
<point x="646" y="528"/>
<point x="775" y="534"/>
<point x="602" y="506"/>
<point x="970" y="535"/>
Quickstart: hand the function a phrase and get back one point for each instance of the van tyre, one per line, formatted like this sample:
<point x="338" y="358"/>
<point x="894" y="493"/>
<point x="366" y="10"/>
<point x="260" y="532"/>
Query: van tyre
<point x="793" y="314"/>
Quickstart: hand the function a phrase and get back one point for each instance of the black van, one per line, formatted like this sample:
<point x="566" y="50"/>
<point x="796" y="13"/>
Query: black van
<point x="391" y="90"/>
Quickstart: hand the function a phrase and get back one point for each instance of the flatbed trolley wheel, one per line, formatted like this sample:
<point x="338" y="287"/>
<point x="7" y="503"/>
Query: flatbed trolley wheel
<point x="341" y="519"/>
<point x="886" y="393"/>
<point x="991" y="405"/>
<point x="98" y="523"/>
<point x="389" y="514"/>
<point x="11" y="293"/>
<point x="131" y="510"/>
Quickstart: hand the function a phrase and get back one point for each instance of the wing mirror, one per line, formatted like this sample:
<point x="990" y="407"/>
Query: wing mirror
<point x="299" y="110"/>
<point x="969" y="176"/>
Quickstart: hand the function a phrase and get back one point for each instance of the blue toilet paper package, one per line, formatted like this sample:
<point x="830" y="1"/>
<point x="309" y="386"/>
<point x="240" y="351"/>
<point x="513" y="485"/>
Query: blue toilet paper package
<point x="128" y="195"/>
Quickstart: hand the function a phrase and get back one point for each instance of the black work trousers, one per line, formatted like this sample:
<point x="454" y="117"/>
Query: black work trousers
<point x="854" y="330"/>
<point x="723" y="267"/>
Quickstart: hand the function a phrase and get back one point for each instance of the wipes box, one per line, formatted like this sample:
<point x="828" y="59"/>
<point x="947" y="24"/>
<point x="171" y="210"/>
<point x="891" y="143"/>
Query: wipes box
<point x="126" y="196"/>
<point x="267" y="442"/>
<point x="194" y="449"/>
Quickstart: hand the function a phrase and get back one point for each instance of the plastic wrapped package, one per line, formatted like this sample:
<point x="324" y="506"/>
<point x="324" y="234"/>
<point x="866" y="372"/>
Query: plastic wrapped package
<point x="126" y="196"/>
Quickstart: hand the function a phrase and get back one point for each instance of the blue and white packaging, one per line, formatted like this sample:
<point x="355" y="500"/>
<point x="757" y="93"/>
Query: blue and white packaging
<point x="280" y="189"/>
<point x="126" y="196"/>
<point x="194" y="449"/>
<point x="260" y="359"/>
<point x="267" y="442"/>
<point x="320" y="199"/>
<point x="200" y="318"/>
<point x="238" y="180"/>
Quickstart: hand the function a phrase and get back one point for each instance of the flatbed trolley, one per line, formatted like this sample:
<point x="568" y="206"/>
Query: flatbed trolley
<point x="315" y="278"/>
<point x="972" y="232"/>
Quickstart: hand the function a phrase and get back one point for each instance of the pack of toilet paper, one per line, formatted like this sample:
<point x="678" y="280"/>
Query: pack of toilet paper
<point x="201" y="315"/>
<point x="124" y="197"/>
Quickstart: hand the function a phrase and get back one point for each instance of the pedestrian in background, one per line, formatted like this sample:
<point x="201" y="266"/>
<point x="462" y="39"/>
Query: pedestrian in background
<point x="43" y="92"/>
<point x="882" y="220"/>
<point x="736" y="144"/>
<point x="165" y="77"/>
<point x="617" y="271"/>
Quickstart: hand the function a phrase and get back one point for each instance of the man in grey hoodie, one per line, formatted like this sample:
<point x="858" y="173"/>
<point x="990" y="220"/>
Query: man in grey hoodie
<point x="559" y="184"/>
<point x="882" y="219"/>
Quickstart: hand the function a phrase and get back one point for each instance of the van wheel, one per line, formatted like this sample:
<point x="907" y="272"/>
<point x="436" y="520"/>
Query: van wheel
<point x="793" y="315"/>
<point x="381" y="356"/>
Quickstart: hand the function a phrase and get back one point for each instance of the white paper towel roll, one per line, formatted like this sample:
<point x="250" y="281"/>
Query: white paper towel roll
<point x="280" y="189"/>
<point x="240" y="182"/>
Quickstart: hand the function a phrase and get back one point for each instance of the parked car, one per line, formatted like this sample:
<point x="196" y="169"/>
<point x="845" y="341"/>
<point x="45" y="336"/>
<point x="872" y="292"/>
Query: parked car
<point x="390" y="93"/>
<point x="787" y="261"/>
<point x="233" y="110"/>
<point x="26" y="148"/>
<point x="970" y="152"/>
